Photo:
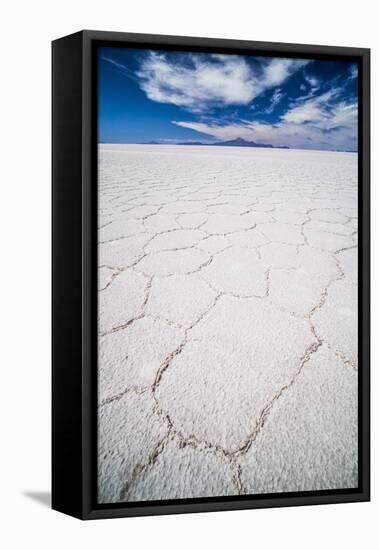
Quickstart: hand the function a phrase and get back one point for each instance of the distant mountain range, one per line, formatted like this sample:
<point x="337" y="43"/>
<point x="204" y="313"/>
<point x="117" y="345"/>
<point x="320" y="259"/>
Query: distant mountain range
<point x="238" y="142"/>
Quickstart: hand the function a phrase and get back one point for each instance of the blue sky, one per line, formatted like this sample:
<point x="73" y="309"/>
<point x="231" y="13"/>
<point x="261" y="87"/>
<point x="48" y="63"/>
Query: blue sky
<point x="147" y="95"/>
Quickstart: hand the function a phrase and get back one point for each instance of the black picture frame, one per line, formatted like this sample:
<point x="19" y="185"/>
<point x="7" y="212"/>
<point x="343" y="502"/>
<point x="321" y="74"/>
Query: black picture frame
<point x="74" y="294"/>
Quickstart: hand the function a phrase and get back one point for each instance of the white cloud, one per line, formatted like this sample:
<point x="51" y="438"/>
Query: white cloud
<point x="120" y="67"/>
<point x="275" y="99"/>
<point x="202" y="80"/>
<point x="312" y="81"/>
<point x="278" y="70"/>
<point x="323" y="111"/>
<point x="320" y="123"/>
<point x="311" y="110"/>
<point x="291" y="135"/>
<point x="345" y="114"/>
<point x="198" y="82"/>
<point x="353" y="71"/>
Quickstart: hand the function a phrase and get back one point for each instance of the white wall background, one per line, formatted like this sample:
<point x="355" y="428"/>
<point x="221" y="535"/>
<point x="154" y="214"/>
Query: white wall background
<point x="27" y="29"/>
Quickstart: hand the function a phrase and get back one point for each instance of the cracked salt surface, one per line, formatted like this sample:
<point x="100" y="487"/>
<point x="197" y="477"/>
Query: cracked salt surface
<point x="227" y="321"/>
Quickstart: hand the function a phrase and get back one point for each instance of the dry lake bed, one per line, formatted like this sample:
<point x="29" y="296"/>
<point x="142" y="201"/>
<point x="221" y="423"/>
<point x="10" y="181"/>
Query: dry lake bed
<point x="227" y="321"/>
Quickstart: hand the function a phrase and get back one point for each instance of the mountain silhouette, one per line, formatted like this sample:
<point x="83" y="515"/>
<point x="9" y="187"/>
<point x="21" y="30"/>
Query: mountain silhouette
<point x="238" y="142"/>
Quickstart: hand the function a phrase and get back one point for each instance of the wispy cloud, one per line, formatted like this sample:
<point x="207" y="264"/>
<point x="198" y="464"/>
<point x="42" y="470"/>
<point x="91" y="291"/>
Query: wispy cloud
<point x="326" y="111"/>
<point x="120" y="67"/>
<point x="315" y="109"/>
<point x="307" y="125"/>
<point x="292" y="135"/>
<point x="274" y="101"/>
<point x="313" y="82"/>
<point x="353" y="71"/>
<point x="196" y="82"/>
<point x="293" y="102"/>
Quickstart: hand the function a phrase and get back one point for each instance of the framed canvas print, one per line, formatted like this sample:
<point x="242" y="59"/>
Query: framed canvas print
<point x="210" y="275"/>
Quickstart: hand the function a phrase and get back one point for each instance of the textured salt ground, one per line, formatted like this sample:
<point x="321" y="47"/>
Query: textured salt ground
<point x="227" y="321"/>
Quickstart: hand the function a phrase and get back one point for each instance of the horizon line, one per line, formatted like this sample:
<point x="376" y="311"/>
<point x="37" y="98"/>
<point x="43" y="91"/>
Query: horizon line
<point x="203" y="144"/>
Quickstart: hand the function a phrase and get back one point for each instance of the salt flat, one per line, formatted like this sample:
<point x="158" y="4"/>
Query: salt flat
<point x="227" y="321"/>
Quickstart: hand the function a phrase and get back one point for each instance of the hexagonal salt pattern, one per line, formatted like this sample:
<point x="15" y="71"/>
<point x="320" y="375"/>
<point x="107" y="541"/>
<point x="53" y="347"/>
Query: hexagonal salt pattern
<point x="184" y="470"/>
<point x="129" y="434"/>
<point x="216" y="388"/>
<point x="311" y="424"/>
<point x="227" y="321"/>
<point x="132" y="358"/>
